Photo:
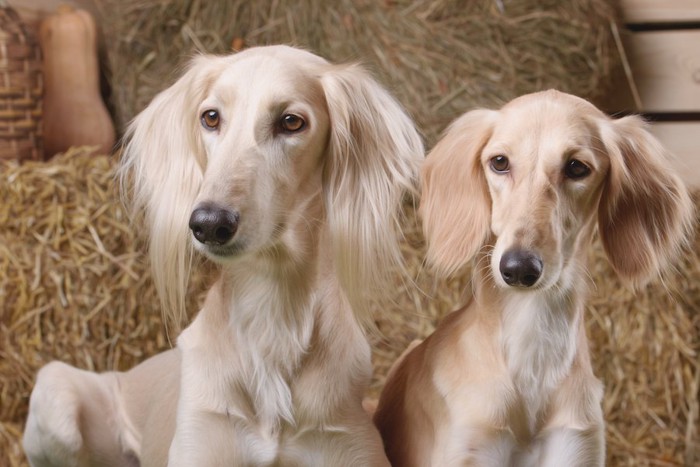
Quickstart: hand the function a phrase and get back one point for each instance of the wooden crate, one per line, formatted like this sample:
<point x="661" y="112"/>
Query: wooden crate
<point x="662" y="46"/>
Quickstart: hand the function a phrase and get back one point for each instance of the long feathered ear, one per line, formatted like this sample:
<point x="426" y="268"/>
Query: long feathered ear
<point x="373" y="161"/>
<point x="646" y="215"/>
<point x="160" y="173"/>
<point x="455" y="204"/>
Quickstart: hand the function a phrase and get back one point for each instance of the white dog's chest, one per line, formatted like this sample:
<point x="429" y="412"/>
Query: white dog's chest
<point x="234" y="422"/>
<point x="231" y="391"/>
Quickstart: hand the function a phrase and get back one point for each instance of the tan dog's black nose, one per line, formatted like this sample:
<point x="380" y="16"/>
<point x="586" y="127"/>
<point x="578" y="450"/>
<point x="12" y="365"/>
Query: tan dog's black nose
<point x="520" y="268"/>
<point x="213" y="225"/>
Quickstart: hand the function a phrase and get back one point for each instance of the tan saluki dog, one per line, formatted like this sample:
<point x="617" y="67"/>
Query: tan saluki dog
<point x="507" y="380"/>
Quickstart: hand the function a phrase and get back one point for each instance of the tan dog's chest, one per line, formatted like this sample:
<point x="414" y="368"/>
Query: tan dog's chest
<point x="500" y="407"/>
<point x="489" y="424"/>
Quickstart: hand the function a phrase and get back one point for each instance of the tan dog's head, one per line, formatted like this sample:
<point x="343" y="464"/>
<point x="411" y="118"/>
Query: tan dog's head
<point x="535" y="176"/>
<point x="245" y="154"/>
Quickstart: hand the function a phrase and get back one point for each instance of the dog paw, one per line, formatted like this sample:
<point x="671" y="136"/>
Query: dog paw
<point x="52" y="433"/>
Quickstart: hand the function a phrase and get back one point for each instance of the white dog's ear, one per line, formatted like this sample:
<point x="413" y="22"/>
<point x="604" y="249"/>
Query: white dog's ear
<point x="646" y="214"/>
<point x="373" y="161"/>
<point x="455" y="203"/>
<point x="161" y="171"/>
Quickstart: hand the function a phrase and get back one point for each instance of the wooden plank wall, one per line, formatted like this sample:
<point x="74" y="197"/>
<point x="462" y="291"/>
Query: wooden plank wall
<point x="662" y="46"/>
<point x="660" y="11"/>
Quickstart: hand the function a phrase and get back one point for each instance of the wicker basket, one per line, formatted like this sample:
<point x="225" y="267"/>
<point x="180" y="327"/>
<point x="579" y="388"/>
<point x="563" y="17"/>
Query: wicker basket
<point x="21" y="89"/>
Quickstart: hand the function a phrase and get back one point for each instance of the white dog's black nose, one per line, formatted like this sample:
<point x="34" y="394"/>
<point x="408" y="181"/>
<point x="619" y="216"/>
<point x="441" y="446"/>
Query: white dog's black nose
<point x="520" y="268"/>
<point x="213" y="225"/>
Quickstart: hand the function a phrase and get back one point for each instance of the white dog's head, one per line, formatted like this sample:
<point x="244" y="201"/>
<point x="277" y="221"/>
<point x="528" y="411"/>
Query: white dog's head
<point x="532" y="179"/>
<point x="230" y="157"/>
<point x="264" y="130"/>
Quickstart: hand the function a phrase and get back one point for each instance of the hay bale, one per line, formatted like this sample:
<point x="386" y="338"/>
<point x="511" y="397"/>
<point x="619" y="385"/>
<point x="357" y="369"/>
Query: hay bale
<point x="439" y="57"/>
<point x="74" y="284"/>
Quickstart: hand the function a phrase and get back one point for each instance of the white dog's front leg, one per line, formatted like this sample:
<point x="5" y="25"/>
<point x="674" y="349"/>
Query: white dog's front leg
<point x="573" y="448"/>
<point x="72" y="421"/>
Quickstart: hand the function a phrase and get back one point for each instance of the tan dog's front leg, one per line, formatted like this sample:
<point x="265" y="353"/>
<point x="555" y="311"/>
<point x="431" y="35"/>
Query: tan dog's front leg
<point x="72" y="420"/>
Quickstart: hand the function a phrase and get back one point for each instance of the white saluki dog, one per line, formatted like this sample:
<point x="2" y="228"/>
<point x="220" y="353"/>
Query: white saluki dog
<point x="507" y="379"/>
<point x="289" y="172"/>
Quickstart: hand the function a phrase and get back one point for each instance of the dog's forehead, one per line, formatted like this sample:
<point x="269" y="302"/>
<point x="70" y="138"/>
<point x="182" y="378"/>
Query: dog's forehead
<point x="551" y="99"/>
<point x="262" y="70"/>
<point x="273" y="63"/>
<point x="546" y="117"/>
<point x="540" y="109"/>
<point x="282" y="53"/>
<point x="268" y="72"/>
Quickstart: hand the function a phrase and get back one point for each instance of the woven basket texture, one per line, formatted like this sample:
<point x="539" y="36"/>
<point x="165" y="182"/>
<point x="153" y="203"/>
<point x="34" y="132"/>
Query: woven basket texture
<point x="21" y="87"/>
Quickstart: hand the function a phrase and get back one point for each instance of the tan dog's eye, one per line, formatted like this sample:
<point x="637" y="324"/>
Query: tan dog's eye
<point x="210" y="119"/>
<point x="291" y="123"/>
<point x="575" y="169"/>
<point x="500" y="164"/>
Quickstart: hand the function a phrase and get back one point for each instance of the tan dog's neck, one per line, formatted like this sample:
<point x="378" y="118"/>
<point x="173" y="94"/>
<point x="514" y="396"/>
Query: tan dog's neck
<point x="536" y="334"/>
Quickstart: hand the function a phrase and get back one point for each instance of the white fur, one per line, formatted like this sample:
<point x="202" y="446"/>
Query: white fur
<point x="539" y="341"/>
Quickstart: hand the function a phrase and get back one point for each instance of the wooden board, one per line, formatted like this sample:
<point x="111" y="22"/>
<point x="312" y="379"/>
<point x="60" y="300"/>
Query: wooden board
<point x="660" y="11"/>
<point x="666" y="69"/>
<point x="682" y="139"/>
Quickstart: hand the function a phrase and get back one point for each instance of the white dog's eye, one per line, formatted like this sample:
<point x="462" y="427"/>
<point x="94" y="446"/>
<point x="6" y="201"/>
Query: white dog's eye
<point x="500" y="164"/>
<point x="575" y="169"/>
<point x="210" y="119"/>
<point x="290" y="123"/>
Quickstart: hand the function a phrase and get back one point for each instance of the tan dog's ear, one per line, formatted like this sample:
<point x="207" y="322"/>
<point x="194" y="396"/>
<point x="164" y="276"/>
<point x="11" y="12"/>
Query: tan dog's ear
<point x="373" y="161"/>
<point x="455" y="204"/>
<point x="646" y="214"/>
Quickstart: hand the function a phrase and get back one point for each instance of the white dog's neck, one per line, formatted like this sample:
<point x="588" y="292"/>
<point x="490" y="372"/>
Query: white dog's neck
<point x="266" y="290"/>
<point x="271" y="321"/>
<point x="260" y="325"/>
